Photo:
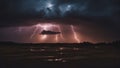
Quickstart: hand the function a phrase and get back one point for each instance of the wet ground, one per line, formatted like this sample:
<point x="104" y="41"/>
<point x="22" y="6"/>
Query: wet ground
<point x="60" y="56"/>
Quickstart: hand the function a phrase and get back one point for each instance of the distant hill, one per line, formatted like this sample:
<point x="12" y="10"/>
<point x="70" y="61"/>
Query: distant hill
<point x="87" y="44"/>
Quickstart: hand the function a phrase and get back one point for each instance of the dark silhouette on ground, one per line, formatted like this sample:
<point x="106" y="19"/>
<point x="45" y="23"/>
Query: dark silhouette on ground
<point x="60" y="55"/>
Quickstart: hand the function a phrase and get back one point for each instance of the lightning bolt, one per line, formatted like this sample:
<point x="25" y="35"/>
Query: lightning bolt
<point x="47" y="26"/>
<point x="75" y="34"/>
<point x="34" y="32"/>
<point x="61" y="35"/>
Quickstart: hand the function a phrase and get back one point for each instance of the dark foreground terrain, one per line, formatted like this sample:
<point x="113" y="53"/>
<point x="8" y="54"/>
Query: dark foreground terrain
<point x="83" y="55"/>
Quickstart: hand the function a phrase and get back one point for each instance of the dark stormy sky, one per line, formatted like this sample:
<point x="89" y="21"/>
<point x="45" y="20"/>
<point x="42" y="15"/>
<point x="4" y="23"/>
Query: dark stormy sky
<point x="93" y="20"/>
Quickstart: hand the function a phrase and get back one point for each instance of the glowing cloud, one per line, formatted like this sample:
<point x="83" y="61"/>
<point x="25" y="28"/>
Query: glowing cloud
<point x="44" y="37"/>
<point x="49" y="5"/>
<point x="38" y="28"/>
<point x="41" y="27"/>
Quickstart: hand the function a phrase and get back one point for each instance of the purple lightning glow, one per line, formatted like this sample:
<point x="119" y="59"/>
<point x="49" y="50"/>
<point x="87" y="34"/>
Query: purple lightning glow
<point x="75" y="34"/>
<point x="42" y="27"/>
<point x="63" y="37"/>
<point x="19" y="29"/>
<point x="34" y="32"/>
<point x="53" y="27"/>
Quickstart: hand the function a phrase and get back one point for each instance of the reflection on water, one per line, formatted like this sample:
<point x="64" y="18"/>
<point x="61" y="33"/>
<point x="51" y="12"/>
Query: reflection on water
<point x="57" y="53"/>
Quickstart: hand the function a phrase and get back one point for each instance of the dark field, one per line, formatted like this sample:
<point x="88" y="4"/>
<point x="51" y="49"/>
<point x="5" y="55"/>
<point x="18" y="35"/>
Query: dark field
<point x="13" y="55"/>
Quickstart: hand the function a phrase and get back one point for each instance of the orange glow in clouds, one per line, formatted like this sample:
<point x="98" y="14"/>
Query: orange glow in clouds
<point x="62" y="37"/>
<point x="44" y="37"/>
<point x="56" y="38"/>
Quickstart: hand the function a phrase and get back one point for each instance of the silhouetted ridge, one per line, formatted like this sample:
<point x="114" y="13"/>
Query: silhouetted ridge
<point x="88" y="44"/>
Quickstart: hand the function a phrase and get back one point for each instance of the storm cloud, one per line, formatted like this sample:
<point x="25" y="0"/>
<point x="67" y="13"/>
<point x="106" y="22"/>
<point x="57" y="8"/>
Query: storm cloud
<point x="97" y="17"/>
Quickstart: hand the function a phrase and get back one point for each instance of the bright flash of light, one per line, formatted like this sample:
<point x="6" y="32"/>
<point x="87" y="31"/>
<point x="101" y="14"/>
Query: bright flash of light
<point x="49" y="5"/>
<point x="45" y="26"/>
<point x="42" y="27"/>
<point x="68" y="7"/>
<point x="44" y="37"/>
<point x="75" y="34"/>
<point x="56" y="38"/>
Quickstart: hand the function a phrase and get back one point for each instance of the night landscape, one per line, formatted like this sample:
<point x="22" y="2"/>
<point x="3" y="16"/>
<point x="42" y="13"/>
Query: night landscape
<point x="59" y="34"/>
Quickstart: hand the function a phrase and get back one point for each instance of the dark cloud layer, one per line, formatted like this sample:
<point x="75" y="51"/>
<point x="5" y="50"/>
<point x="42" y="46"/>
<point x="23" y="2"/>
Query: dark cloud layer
<point x="102" y="12"/>
<point x="13" y="11"/>
<point x="52" y="9"/>
<point x="96" y="15"/>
